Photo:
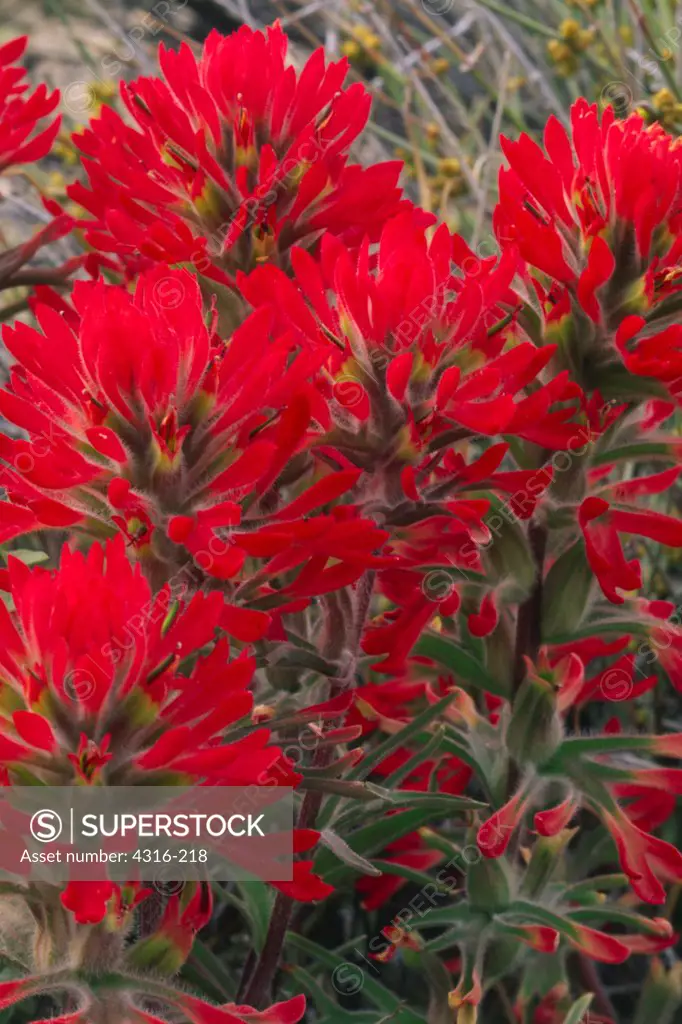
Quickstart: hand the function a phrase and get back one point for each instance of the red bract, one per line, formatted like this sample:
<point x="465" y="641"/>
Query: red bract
<point x="407" y="334"/>
<point x="290" y="1012"/>
<point x="610" y="178"/>
<point x="400" y="503"/>
<point x="20" y="113"/>
<point x="195" y="1010"/>
<point x="601" y="525"/>
<point x="418" y="382"/>
<point x="70" y="677"/>
<point x="596" y="217"/>
<point x="145" y="421"/>
<point x="644" y="858"/>
<point x="22" y="143"/>
<point x="235" y="157"/>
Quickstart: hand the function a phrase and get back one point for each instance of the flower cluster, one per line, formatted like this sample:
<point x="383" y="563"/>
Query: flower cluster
<point x="22" y="141"/>
<point x="306" y="467"/>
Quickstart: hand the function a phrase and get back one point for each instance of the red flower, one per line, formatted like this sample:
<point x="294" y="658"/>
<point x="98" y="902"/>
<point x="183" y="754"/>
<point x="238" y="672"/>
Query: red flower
<point x="88" y="901"/>
<point x="601" y="524"/>
<point x="234" y="157"/>
<point x="495" y="833"/>
<point x="290" y="1012"/>
<point x="146" y="422"/>
<point x="597" y="945"/>
<point x="644" y="858"/>
<point x="609" y="176"/>
<point x="171" y="943"/>
<point x="20" y="113"/>
<point x="407" y="339"/>
<point x="554" y="820"/>
<point x="597" y="212"/>
<point x="72" y="676"/>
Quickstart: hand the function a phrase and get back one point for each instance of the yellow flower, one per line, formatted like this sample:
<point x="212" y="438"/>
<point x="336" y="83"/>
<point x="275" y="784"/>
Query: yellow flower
<point x="56" y="184"/>
<point x="65" y="151"/>
<point x="352" y="50"/>
<point x="563" y="56"/>
<point x="663" y="100"/>
<point x="449" y="167"/>
<point x="569" y="29"/>
<point x="440" y="65"/>
<point x="363" y="47"/>
<point x="667" y="107"/>
<point x="576" y="37"/>
<point x="103" y="90"/>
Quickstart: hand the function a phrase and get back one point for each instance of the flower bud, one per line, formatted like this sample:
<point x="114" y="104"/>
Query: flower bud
<point x="535" y="729"/>
<point x="488" y="884"/>
<point x="661" y="994"/>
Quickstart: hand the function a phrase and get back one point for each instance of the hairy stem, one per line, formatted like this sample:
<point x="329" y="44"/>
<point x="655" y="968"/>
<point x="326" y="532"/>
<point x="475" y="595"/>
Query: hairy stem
<point x="257" y="991"/>
<point x="529" y="622"/>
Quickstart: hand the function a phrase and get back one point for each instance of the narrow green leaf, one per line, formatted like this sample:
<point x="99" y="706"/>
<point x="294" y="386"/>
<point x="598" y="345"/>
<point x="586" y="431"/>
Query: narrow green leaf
<point x="347" y="974"/>
<point x="566" y="591"/>
<point x="464" y="666"/>
<point x="342" y="850"/>
<point x="373" y="838"/>
<point x="400" y="739"/>
<point x="457" y="915"/>
<point x="386" y="747"/>
<point x="208" y="973"/>
<point x="429" y="750"/>
<point x="420" y="878"/>
<point x="444" y="802"/>
<point x="258" y="899"/>
<point x="576" y="1015"/>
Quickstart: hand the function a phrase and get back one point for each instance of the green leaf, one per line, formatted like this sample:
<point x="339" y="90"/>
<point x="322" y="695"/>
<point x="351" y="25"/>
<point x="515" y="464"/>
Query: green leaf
<point x="576" y="1015"/>
<point x="566" y="591"/>
<point x="534" y="912"/>
<point x="342" y="850"/>
<point x="386" y="747"/>
<point x="578" y="746"/>
<point x="322" y="1002"/>
<point x="458" y="915"/>
<point x="452" y="937"/>
<point x="586" y="890"/>
<point x="351" y="789"/>
<point x="609" y="624"/>
<point x="401" y="738"/>
<point x="373" y="838"/>
<point x="258" y="899"/>
<point x="638" y="450"/>
<point x="445" y="802"/>
<point x="429" y="750"/>
<point x="208" y="973"/>
<point x="462" y="664"/>
<point x="27" y="555"/>
<point x="346" y="974"/>
<point x="420" y="878"/>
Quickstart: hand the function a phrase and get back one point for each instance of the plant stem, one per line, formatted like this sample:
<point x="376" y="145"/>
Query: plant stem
<point x="257" y="989"/>
<point x="592" y="982"/>
<point x="529" y="622"/>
